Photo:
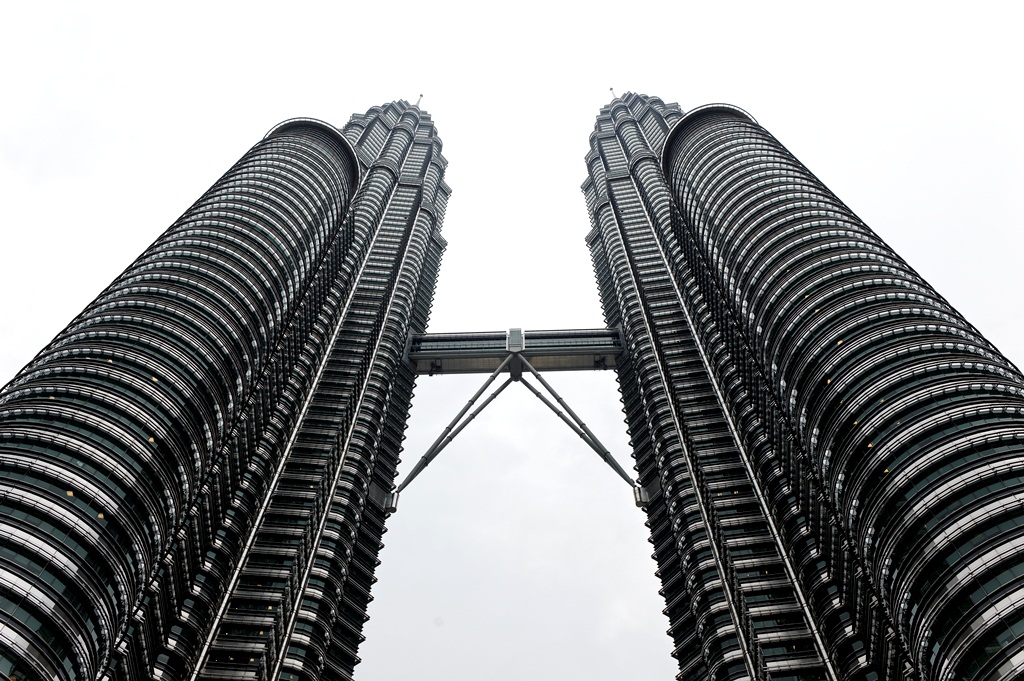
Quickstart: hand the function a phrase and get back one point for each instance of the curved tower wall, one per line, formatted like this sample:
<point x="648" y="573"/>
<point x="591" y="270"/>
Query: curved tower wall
<point x="736" y="606"/>
<point x="297" y="599"/>
<point x="147" y="451"/>
<point x="109" y="434"/>
<point x="899" y="426"/>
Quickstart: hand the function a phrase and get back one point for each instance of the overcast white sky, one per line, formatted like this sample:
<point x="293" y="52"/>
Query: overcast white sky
<point x="517" y="554"/>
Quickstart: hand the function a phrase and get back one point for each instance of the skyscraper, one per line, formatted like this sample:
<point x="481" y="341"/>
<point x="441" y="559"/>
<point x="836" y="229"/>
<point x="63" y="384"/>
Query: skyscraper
<point x="832" y="453"/>
<point x="197" y="470"/>
<point x="194" y="469"/>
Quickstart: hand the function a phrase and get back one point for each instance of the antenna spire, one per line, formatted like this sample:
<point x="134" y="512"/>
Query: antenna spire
<point x="419" y="100"/>
<point x="614" y="96"/>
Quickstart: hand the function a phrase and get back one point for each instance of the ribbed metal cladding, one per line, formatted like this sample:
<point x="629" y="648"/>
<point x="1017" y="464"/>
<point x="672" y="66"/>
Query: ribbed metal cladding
<point x="736" y="605"/>
<point x="297" y="604"/>
<point x="147" y="451"/>
<point x="899" y="426"/>
<point x="112" y="436"/>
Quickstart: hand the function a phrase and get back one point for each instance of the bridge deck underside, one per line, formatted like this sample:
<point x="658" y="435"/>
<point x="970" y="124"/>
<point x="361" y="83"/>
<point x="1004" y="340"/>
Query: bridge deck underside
<point x="483" y="352"/>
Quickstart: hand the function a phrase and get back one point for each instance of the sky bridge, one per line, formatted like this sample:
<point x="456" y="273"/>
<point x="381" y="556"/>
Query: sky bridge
<point x="515" y="351"/>
<point x="482" y="352"/>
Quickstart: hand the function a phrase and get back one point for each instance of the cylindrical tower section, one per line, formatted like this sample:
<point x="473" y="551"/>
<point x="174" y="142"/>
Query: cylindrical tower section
<point x="108" y="434"/>
<point x="910" y="420"/>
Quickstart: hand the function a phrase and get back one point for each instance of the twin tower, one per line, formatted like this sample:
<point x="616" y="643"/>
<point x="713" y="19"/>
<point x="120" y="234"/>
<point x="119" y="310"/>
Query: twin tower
<point x="197" y="471"/>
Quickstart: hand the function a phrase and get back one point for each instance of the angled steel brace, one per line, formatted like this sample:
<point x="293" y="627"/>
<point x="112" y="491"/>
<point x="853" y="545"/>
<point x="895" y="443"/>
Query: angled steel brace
<point x="593" y="444"/>
<point x="436" y="449"/>
<point x="577" y="424"/>
<point x="454" y="428"/>
<point x="515" y="362"/>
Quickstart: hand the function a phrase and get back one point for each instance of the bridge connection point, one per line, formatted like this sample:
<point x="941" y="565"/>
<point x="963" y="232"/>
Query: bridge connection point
<point x="640" y="496"/>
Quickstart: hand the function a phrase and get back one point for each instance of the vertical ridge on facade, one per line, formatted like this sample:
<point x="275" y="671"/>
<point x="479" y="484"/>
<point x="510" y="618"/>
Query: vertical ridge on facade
<point x="733" y="612"/>
<point x="874" y="437"/>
